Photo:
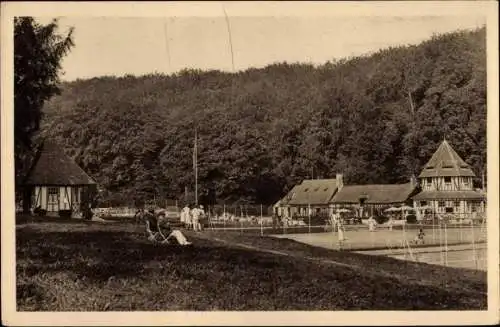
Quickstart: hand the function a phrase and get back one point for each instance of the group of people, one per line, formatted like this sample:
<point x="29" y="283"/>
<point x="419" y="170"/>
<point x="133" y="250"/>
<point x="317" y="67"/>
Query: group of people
<point x="193" y="217"/>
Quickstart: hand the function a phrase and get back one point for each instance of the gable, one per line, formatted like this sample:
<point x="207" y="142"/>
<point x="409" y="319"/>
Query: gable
<point x="446" y="162"/>
<point x="312" y="191"/>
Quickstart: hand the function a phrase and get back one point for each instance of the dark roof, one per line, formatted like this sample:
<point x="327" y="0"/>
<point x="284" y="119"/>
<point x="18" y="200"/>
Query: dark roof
<point x="446" y="162"/>
<point x="375" y="194"/>
<point x="311" y="191"/>
<point x="288" y="196"/>
<point x="445" y="195"/>
<point x="53" y="167"/>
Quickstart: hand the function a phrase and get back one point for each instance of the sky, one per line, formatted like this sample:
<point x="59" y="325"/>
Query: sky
<point x="143" y="45"/>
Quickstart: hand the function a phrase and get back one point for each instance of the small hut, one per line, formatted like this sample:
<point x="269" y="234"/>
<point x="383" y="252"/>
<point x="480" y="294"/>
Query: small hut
<point x="56" y="184"/>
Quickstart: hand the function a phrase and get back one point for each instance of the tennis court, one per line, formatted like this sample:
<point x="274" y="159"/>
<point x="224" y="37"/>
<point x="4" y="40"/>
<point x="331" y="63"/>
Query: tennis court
<point x="464" y="247"/>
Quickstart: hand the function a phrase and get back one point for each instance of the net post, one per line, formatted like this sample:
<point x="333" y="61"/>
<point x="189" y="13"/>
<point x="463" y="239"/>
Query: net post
<point x="261" y="226"/>
<point x="473" y="243"/>
<point x="309" y="214"/>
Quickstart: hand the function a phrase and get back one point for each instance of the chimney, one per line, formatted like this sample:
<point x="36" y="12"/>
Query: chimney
<point x="340" y="181"/>
<point x="413" y="181"/>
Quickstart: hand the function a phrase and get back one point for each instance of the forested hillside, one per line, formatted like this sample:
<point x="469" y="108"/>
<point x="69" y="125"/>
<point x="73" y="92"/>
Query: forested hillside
<point x="262" y="130"/>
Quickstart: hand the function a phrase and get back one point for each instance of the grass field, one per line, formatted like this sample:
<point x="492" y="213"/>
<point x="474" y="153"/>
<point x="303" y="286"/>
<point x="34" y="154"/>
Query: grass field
<point x="81" y="266"/>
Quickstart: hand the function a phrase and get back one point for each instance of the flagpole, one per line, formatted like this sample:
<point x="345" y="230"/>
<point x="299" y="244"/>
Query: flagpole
<point x="195" y="163"/>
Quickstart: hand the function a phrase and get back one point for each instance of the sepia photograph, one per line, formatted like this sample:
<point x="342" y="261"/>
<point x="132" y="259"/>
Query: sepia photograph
<point x="246" y="159"/>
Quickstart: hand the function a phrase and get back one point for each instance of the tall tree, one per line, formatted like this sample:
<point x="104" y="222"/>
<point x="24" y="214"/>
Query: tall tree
<point x="38" y="51"/>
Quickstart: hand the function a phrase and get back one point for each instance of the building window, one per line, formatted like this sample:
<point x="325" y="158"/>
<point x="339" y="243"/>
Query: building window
<point x="52" y="198"/>
<point x="456" y="204"/>
<point x="53" y="190"/>
<point x="423" y="203"/>
<point x="429" y="180"/>
<point x="447" y="180"/>
<point x="441" y="204"/>
<point x="449" y="210"/>
<point x="474" y="206"/>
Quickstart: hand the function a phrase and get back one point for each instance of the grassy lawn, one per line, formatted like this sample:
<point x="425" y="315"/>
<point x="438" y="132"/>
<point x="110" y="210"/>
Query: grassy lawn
<point x="80" y="266"/>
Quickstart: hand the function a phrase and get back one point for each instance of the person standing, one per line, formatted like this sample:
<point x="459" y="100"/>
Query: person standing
<point x="185" y="216"/>
<point x="335" y="221"/>
<point x="371" y="224"/>
<point x="201" y="218"/>
<point x="195" y="218"/>
<point x="342" y="237"/>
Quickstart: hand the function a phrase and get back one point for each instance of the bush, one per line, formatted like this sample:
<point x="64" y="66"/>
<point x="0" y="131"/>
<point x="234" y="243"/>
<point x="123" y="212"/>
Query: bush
<point x="316" y="220"/>
<point x="87" y="214"/>
<point x="411" y="219"/>
<point x="65" y="213"/>
<point x="380" y="219"/>
<point x="40" y="212"/>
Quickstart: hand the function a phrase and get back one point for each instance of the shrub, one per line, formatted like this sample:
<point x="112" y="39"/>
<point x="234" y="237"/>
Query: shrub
<point x="40" y="212"/>
<point x="316" y="220"/>
<point x="411" y="219"/>
<point x="380" y="219"/>
<point x="87" y="214"/>
<point x="65" y="213"/>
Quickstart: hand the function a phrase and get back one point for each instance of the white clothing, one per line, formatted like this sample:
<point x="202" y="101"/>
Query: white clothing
<point x="185" y="215"/>
<point x="195" y="218"/>
<point x="179" y="237"/>
<point x="371" y="224"/>
<point x="341" y="234"/>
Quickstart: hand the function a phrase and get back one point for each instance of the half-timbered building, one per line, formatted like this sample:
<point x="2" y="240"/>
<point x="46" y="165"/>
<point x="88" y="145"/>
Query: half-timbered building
<point x="447" y="186"/>
<point x="56" y="184"/>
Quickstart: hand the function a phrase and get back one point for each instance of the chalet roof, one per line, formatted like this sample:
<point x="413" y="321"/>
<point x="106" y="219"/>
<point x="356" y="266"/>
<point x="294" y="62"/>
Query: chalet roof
<point x="53" y="167"/>
<point x="375" y="193"/>
<point x="446" y="162"/>
<point x="312" y="191"/>
<point x="449" y="195"/>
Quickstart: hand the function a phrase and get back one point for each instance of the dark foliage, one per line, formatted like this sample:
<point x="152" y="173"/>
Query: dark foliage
<point x="65" y="213"/>
<point x="380" y="219"/>
<point x="411" y="219"/>
<point x="263" y="130"/>
<point x="38" y="50"/>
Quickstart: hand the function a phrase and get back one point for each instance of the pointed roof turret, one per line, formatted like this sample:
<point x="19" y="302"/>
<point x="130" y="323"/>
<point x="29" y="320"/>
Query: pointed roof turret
<point x="53" y="167"/>
<point x="446" y="162"/>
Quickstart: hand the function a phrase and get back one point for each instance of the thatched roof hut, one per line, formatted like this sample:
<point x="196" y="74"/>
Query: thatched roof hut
<point x="52" y="166"/>
<point x="55" y="183"/>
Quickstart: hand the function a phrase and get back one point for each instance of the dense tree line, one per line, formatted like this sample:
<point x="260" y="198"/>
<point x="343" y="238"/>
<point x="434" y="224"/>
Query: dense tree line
<point x="375" y="118"/>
